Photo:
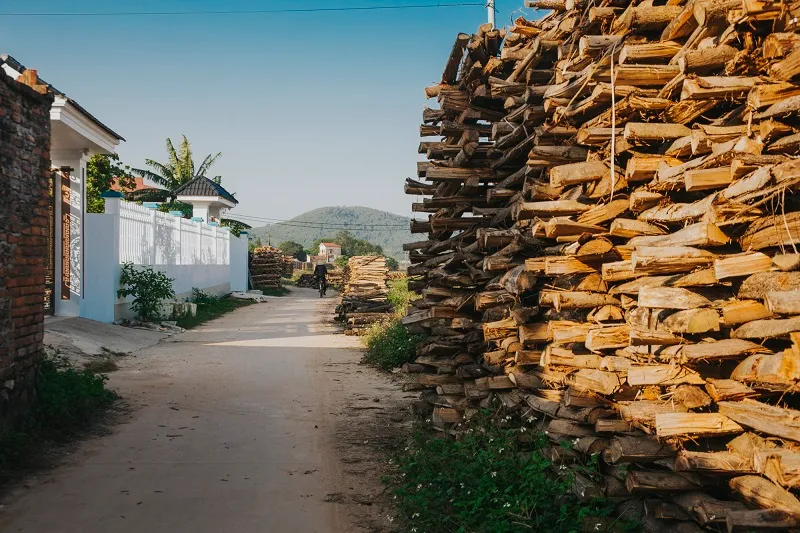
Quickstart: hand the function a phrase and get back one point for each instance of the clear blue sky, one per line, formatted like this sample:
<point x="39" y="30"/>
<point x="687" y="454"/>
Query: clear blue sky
<point x="308" y="109"/>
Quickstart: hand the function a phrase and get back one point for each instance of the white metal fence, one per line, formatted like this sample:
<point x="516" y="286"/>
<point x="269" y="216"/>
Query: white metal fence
<point x="150" y="237"/>
<point x="193" y="254"/>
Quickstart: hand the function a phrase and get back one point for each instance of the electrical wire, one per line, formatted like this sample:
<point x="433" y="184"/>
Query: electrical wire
<point x="241" y="11"/>
<point x="323" y="225"/>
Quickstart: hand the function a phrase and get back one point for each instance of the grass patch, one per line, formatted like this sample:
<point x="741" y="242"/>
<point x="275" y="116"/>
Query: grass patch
<point x="389" y="344"/>
<point x="491" y="480"/>
<point x="68" y="400"/>
<point x="210" y="307"/>
<point x="101" y="366"/>
<point x="273" y="291"/>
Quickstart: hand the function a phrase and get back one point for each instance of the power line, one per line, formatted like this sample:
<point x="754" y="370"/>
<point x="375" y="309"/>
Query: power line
<point x="326" y="226"/>
<point x="304" y="222"/>
<point x="241" y="11"/>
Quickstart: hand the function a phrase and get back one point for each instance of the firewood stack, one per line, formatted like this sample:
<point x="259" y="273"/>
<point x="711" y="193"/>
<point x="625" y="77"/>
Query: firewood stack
<point x="288" y="266"/>
<point x="364" y="295"/>
<point x="266" y="268"/>
<point x="612" y="243"/>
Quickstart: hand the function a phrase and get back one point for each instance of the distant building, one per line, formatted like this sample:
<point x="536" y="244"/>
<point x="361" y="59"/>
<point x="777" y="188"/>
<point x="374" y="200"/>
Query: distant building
<point x="329" y="251"/>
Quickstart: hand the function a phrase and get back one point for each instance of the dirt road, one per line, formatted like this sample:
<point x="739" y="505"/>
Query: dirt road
<point x="261" y="421"/>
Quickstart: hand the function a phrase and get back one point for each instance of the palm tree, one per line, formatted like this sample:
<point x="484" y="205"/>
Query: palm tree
<point x="179" y="170"/>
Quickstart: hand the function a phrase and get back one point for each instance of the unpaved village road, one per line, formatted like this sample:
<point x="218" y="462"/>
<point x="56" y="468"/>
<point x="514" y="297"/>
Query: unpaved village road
<point x="261" y="421"/>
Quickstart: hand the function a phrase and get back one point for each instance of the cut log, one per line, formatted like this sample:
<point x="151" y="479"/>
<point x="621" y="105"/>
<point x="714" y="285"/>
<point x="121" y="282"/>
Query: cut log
<point x="654" y="132"/>
<point x="741" y="311"/>
<point x="765" y="494"/>
<point x="637" y="450"/>
<point x="695" y="425"/>
<point x="744" y="264"/>
<point x="643" y="482"/>
<point x="783" y="302"/>
<point x="728" y="463"/>
<point x="768" y="328"/>
<point x="722" y="349"/>
<point x="761" y="520"/>
<point x="662" y="375"/>
<point x="671" y="298"/>
<point x="604" y="338"/>
<point x="691" y="321"/>
<point x="768" y="419"/>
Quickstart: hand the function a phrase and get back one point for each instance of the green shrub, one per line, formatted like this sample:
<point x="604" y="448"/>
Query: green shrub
<point x="489" y="480"/>
<point x="389" y="344"/>
<point x="148" y="287"/>
<point x="201" y="298"/>
<point x="67" y="400"/>
<point x="400" y="296"/>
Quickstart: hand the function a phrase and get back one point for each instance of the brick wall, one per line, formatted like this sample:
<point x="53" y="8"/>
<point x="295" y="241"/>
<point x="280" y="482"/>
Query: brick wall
<point x="24" y="175"/>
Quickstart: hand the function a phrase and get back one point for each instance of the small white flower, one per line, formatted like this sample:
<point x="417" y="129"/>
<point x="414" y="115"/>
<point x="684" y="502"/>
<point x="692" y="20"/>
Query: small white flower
<point x="491" y="440"/>
<point x="500" y="450"/>
<point x="428" y="421"/>
<point x="597" y="526"/>
<point x="419" y="486"/>
<point x="561" y="468"/>
<point x="413" y="530"/>
<point x="494" y="474"/>
<point x="523" y="430"/>
<point x="462" y="485"/>
<point x="506" y="505"/>
<point x="406" y="448"/>
<point x="390" y="518"/>
<point x="415" y="515"/>
<point x="575" y="441"/>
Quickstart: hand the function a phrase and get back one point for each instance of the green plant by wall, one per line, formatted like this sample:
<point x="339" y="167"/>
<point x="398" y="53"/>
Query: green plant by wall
<point x="389" y="344"/>
<point x="148" y="287"/>
<point x="490" y="479"/>
<point x="67" y="400"/>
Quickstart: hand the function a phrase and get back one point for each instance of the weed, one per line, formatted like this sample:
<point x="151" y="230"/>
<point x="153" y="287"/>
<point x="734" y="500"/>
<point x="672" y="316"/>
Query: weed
<point x="101" y="366"/>
<point x="489" y="479"/>
<point x="67" y="400"/>
<point x="107" y="352"/>
<point x="389" y="344"/>
<point x="399" y="295"/>
<point x="210" y="307"/>
<point x="148" y="288"/>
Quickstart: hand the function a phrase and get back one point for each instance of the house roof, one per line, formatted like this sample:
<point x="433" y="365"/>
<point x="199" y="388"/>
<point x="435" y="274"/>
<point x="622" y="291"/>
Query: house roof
<point x="202" y="186"/>
<point x="138" y="186"/>
<point x="331" y="244"/>
<point x="19" y="67"/>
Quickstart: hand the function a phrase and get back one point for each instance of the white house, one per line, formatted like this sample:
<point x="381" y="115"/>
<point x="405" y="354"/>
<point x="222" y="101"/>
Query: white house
<point x="209" y="199"/>
<point x="76" y="135"/>
<point x="330" y="251"/>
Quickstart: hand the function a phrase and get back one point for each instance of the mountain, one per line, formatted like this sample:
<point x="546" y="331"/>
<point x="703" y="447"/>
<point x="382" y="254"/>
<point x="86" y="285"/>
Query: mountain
<point x="361" y="222"/>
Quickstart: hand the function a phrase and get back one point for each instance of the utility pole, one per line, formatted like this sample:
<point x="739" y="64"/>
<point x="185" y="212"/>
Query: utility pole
<point x="490" y="8"/>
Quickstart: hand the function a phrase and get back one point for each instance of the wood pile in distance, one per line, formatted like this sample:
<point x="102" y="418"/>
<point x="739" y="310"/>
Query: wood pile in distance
<point x="288" y="265"/>
<point x="364" y="294"/>
<point x="612" y="246"/>
<point x="266" y="268"/>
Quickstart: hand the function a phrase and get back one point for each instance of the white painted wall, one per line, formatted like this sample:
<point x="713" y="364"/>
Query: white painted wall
<point x="193" y="254"/>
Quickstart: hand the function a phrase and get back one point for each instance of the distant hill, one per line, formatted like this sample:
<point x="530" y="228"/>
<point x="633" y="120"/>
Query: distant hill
<point x="362" y="222"/>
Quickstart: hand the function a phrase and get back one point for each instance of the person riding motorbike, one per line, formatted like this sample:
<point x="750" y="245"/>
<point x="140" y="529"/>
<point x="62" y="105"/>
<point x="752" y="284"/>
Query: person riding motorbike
<point x="321" y="274"/>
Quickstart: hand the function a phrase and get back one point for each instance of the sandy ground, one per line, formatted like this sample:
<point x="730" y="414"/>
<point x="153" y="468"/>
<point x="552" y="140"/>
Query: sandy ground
<point x="261" y="421"/>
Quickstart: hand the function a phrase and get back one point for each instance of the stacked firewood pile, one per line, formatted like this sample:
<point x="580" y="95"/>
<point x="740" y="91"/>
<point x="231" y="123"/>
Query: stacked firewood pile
<point x="307" y="281"/>
<point x="288" y="266"/>
<point x="364" y="294"/>
<point x="266" y="268"/>
<point x="612" y="243"/>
